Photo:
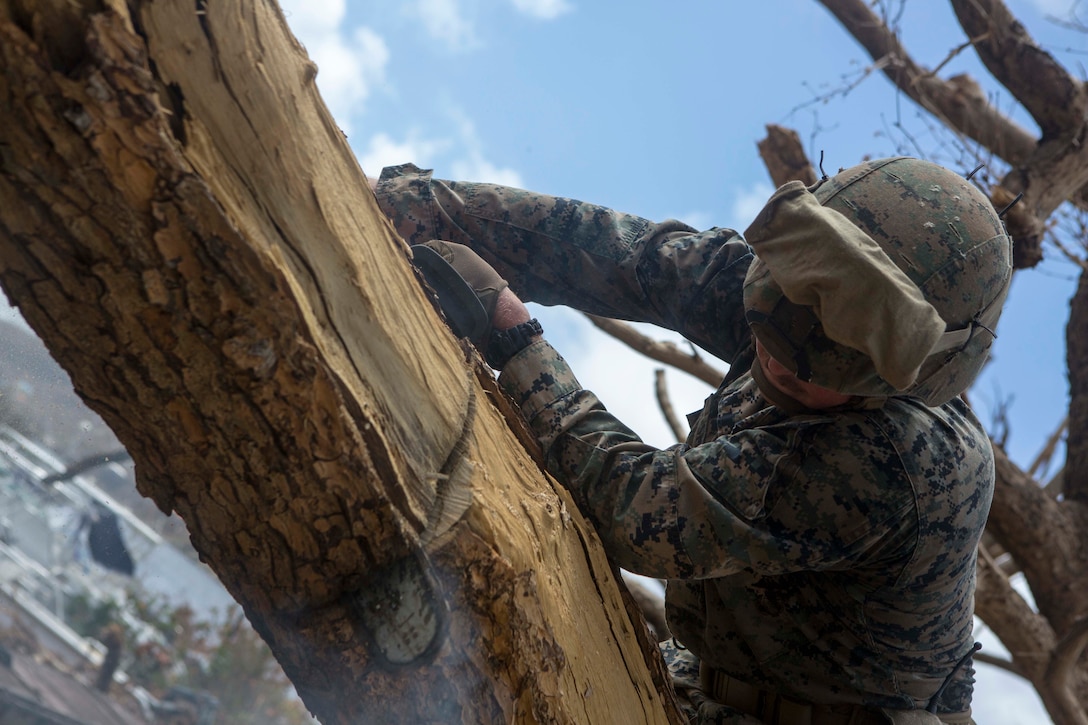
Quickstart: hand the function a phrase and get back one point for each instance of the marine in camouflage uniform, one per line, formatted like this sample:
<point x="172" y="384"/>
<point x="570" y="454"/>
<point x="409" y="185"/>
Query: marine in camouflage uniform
<point x="824" y="555"/>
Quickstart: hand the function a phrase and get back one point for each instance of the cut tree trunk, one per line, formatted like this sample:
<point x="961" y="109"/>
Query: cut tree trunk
<point x="187" y="230"/>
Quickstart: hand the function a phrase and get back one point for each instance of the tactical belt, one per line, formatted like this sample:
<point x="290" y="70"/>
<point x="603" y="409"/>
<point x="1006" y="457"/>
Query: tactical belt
<point x="774" y="709"/>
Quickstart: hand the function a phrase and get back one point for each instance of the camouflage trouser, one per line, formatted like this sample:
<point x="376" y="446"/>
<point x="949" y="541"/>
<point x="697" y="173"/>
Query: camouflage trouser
<point x="701" y="709"/>
<point x="696" y="705"/>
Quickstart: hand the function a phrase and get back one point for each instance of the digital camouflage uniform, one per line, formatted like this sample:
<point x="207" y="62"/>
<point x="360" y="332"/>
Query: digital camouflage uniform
<point x="825" y="555"/>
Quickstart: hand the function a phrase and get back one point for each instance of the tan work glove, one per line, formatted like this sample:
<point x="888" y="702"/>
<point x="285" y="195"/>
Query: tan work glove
<point x="474" y="297"/>
<point x="468" y="288"/>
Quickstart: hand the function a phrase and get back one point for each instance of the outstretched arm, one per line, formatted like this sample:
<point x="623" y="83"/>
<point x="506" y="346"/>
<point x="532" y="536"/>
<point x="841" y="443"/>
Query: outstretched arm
<point x="737" y="501"/>
<point x="772" y="498"/>
<point x="555" y="250"/>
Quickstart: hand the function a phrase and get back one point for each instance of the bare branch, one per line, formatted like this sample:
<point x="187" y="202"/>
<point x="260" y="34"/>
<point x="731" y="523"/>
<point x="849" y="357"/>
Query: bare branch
<point x="850" y="81"/>
<point x="785" y="157"/>
<point x="952" y="54"/>
<point x="1045" y="536"/>
<point x="1052" y="173"/>
<point x="996" y="552"/>
<point x="1020" y="220"/>
<point x="999" y="662"/>
<point x="665" y="404"/>
<point x="1025" y="633"/>
<point x="1018" y="499"/>
<point x="86" y="464"/>
<point x="999" y="422"/>
<point x="664" y="352"/>
<point x="1069" y="253"/>
<point x="1059" y="673"/>
<point x="1042" y="461"/>
<point x="1076" y="354"/>
<point x="959" y="102"/>
<point x="1056" y="169"/>
<point x="1055" y="99"/>
<point x="1029" y="638"/>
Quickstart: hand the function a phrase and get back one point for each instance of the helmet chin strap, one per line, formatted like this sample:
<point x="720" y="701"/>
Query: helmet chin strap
<point x="792" y="405"/>
<point x="826" y="399"/>
<point x="820" y="259"/>
<point x="775" y="395"/>
<point x="986" y="320"/>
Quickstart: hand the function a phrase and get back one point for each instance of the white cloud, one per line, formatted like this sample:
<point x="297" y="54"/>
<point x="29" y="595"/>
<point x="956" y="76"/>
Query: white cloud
<point x="348" y="71"/>
<point x="473" y="166"/>
<point x="476" y="168"/>
<point x="384" y="151"/>
<point x="347" y="74"/>
<point x="459" y="156"/>
<point x="311" y="18"/>
<point x="451" y="22"/>
<point x="444" y="20"/>
<point x="624" y="381"/>
<point x="542" y="9"/>
<point x="746" y="204"/>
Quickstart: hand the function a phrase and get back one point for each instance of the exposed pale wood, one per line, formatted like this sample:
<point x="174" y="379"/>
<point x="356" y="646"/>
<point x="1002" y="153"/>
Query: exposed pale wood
<point x="196" y="245"/>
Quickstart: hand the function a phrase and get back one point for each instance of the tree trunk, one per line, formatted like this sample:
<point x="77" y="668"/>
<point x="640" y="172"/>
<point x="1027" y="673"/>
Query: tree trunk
<point x="185" y="227"/>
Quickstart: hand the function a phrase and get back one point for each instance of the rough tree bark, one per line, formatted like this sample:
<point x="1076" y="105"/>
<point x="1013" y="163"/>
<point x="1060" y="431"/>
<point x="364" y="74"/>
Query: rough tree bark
<point x="187" y="230"/>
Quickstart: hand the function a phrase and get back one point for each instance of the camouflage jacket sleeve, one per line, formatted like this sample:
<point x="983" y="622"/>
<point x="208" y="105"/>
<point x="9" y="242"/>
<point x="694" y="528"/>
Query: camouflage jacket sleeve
<point x="559" y="251"/>
<point x="778" y="494"/>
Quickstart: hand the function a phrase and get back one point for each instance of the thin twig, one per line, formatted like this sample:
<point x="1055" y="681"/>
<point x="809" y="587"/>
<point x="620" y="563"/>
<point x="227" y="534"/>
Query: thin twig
<point x="664" y="352"/>
<point x="955" y="52"/>
<point x="1068" y="253"/>
<point x="665" y="404"/>
<point x="1042" y="461"/>
<point x="1001" y="662"/>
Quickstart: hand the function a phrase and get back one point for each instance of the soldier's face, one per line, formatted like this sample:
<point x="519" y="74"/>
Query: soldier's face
<point x="808" y="394"/>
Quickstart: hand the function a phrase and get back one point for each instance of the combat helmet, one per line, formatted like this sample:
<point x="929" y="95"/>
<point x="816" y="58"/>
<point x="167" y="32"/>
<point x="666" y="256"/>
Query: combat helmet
<point x="885" y="279"/>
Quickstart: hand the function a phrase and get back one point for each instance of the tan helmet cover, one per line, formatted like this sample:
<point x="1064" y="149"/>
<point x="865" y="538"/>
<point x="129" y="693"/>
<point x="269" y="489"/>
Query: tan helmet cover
<point x="887" y="278"/>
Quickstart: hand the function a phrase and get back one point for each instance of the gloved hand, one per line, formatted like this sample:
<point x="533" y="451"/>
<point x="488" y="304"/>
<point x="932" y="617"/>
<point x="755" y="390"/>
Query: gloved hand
<point x="467" y="286"/>
<point x="474" y="297"/>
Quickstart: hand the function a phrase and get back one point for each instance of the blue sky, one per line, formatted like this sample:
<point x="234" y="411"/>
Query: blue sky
<point x="655" y="108"/>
